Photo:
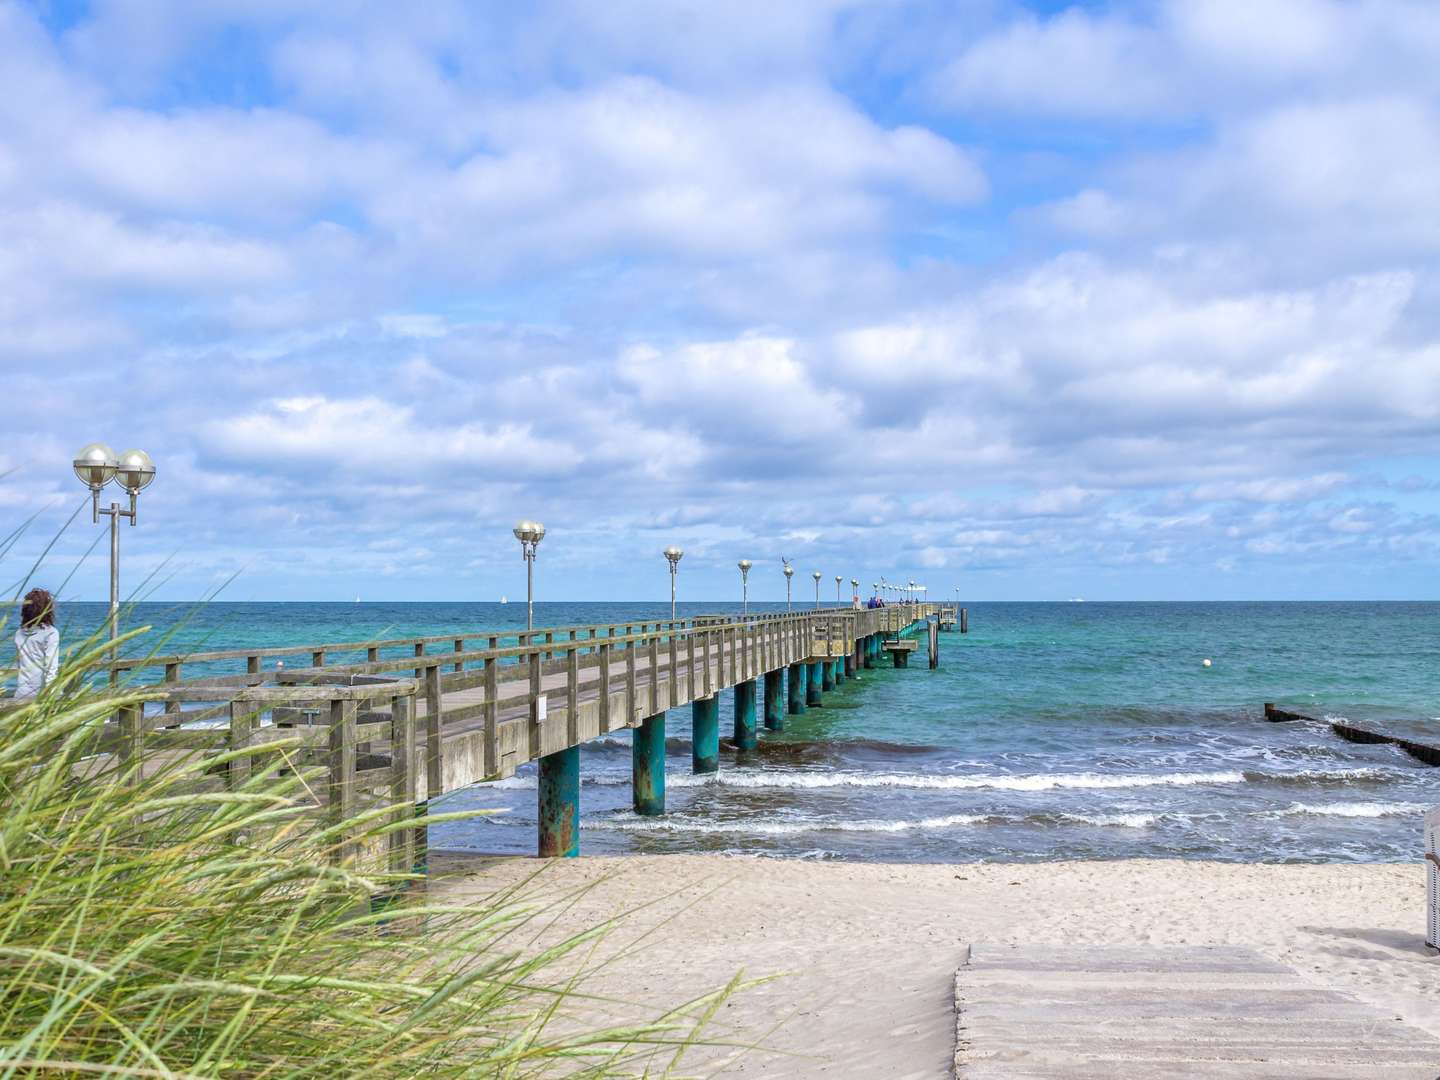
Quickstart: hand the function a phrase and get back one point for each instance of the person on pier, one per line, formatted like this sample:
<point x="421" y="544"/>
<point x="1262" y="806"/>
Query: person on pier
<point x="37" y="644"/>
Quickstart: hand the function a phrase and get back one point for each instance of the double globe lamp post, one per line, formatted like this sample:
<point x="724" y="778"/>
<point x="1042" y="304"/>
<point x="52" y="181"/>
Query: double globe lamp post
<point x="529" y="533"/>
<point x="97" y="465"/>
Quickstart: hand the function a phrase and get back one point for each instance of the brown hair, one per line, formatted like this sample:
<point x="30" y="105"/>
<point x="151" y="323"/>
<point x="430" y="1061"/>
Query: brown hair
<point x="37" y="609"/>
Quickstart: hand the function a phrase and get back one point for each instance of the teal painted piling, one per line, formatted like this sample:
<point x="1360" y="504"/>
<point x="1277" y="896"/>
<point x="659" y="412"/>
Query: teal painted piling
<point x="827" y="675"/>
<point x="796" y="684"/>
<point x="560" y="804"/>
<point x="745" y="715"/>
<point x="849" y="665"/>
<point x="839" y="671"/>
<point x="870" y="651"/>
<point x="705" y="734"/>
<point x="647" y="773"/>
<point x="814" y="683"/>
<point x="775" y="700"/>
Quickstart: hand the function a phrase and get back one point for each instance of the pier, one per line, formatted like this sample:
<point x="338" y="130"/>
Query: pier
<point x="404" y="720"/>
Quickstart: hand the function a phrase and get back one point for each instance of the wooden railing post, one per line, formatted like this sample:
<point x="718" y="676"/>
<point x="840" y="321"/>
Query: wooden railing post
<point x="132" y="733"/>
<point x="172" y="675"/>
<point x="242" y="724"/>
<point x="459" y="648"/>
<point x="605" y="648"/>
<point x="404" y="784"/>
<point x="572" y="692"/>
<point x="342" y="795"/>
<point x="536" y="698"/>
<point x="630" y="697"/>
<point x="434" y="706"/>
<point x="492" y="716"/>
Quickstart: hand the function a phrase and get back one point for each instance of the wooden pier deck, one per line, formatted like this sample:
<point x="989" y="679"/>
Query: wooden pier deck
<point x="1154" y="1013"/>
<point x="409" y="719"/>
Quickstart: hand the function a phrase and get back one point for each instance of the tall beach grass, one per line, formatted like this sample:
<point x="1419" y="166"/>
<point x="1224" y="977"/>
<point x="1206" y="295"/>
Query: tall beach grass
<point x="153" y="923"/>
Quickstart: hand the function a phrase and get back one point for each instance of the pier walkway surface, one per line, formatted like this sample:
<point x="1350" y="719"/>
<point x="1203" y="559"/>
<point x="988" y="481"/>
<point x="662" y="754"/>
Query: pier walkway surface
<point x="405" y="720"/>
<point x="1146" y="1013"/>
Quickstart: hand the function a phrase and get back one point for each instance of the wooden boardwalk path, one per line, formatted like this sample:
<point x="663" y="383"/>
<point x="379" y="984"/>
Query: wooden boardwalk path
<point x="1087" y="1013"/>
<point x="407" y="719"/>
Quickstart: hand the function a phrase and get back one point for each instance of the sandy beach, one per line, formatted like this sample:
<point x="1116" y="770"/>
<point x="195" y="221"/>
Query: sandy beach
<point x="866" y="952"/>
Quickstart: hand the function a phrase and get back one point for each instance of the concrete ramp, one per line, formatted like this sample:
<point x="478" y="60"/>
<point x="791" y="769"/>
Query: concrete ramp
<point x="1150" y="1014"/>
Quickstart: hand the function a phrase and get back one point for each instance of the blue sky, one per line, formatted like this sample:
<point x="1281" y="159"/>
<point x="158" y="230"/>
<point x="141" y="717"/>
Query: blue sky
<point x="1122" y="301"/>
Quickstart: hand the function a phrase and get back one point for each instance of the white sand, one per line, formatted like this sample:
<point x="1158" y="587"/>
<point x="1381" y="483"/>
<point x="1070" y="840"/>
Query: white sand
<point x="869" y="950"/>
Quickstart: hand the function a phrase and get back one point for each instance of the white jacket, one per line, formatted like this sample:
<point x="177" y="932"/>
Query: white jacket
<point x="39" y="658"/>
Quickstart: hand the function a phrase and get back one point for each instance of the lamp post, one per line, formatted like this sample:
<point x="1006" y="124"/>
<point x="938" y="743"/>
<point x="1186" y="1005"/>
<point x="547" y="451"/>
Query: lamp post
<point x="789" y="573"/>
<point x="855" y="590"/>
<point x="838" y="580"/>
<point x="673" y="555"/>
<point x="744" y="565"/>
<point x="817" y="575"/>
<point x="529" y="533"/>
<point x="96" y="465"/>
<point x="910" y="595"/>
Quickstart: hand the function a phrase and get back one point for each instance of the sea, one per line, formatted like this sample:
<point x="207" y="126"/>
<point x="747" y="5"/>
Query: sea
<point x="1050" y="731"/>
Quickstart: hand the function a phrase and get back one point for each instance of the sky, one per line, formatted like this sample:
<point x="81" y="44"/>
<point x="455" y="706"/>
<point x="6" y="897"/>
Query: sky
<point x="1133" y="300"/>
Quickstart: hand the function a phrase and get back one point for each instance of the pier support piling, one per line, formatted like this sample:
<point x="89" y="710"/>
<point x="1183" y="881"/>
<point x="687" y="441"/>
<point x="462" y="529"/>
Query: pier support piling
<point x="850" y="665"/>
<point x="796" y="686"/>
<point x="775" y="700"/>
<point x="647" y="775"/>
<point x="814" y="683"/>
<point x="705" y="735"/>
<point x="745" y="715"/>
<point x="560" y="804"/>
<point x="934" y="627"/>
<point x="870" y="640"/>
<point x="827" y="675"/>
<point x="964" y="620"/>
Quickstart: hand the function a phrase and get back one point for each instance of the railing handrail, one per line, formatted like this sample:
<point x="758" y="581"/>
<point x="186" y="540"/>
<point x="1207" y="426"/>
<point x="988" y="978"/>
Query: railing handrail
<point x="677" y="625"/>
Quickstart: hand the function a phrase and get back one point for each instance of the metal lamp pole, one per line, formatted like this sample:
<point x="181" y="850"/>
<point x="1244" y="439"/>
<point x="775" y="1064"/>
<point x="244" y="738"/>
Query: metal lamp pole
<point x="745" y="565"/>
<point x="96" y="465"/>
<point x="673" y="555"/>
<point x="817" y="575"/>
<point x="855" y="590"/>
<point x="529" y="533"/>
<point x="789" y="573"/>
<point x="838" y="579"/>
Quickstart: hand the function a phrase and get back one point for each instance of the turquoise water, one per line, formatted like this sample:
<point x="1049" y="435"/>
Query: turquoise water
<point x="1049" y="731"/>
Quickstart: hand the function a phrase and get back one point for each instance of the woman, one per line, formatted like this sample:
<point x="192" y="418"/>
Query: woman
<point x="37" y="642"/>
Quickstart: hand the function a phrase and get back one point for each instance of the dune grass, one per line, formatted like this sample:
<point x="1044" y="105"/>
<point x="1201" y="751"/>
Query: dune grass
<point x="153" y="925"/>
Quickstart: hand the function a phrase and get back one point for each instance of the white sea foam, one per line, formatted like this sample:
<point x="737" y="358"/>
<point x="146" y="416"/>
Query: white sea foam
<point x="511" y="783"/>
<point x="1032" y="782"/>
<point x="632" y="823"/>
<point x="1353" y="809"/>
<point x="1127" y="821"/>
